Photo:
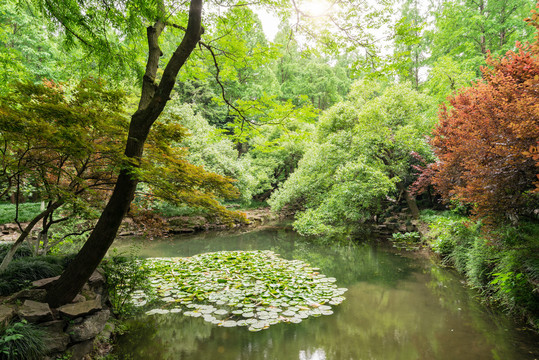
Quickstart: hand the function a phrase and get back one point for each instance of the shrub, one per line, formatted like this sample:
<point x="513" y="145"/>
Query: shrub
<point x="21" y="341"/>
<point x="21" y="272"/>
<point x="503" y="264"/>
<point x="23" y="251"/>
<point x="125" y="275"/>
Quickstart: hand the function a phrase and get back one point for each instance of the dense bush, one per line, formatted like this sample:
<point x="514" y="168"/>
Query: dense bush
<point x="362" y="154"/>
<point x="21" y="341"/>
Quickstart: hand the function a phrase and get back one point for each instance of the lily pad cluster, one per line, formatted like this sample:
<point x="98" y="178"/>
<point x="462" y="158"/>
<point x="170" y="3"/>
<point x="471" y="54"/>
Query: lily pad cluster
<point x="255" y="289"/>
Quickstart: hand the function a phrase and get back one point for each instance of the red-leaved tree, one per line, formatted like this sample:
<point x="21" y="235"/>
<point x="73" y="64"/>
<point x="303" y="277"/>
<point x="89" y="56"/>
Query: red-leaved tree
<point x="483" y="138"/>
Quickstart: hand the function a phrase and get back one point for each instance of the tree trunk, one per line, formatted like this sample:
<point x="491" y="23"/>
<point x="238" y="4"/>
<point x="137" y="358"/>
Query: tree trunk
<point x="410" y="201"/>
<point x="152" y="102"/>
<point x="9" y="256"/>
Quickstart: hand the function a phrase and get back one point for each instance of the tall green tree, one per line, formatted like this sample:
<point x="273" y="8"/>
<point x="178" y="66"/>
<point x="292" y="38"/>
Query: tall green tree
<point x="467" y="30"/>
<point x="84" y="21"/>
<point x="410" y="43"/>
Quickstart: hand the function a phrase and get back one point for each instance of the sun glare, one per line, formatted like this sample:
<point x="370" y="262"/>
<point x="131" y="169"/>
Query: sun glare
<point x="315" y="7"/>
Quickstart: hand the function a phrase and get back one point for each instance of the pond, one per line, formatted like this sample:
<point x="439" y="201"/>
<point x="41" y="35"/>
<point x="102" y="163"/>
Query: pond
<point x="399" y="305"/>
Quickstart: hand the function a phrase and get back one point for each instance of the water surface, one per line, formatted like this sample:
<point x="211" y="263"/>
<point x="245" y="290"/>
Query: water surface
<point x="398" y="306"/>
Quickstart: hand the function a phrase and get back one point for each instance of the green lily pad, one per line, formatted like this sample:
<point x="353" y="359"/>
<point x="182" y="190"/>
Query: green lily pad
<point x="252" y="288"/>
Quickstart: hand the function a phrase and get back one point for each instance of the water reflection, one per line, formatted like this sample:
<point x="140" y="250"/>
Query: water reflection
<point x="397" y="307"/>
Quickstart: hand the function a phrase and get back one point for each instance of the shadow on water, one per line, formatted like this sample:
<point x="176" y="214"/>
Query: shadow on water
<point x="398" y="307"/>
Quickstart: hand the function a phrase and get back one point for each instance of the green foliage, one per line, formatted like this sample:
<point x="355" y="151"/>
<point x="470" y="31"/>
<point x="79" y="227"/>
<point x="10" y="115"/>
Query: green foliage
<point x="22" y="251"/>
<point x="27" y="211"/>
<point x="21" y="272"/>
<point x="466" y="31"/>
<point x="409" y="237"/>
<point x="209" y="148"/>
<point x="362" y="151"/>
<point x="125" y="274"/>
<point x="446" y="77"/>
<point x="503" y="264"/>
<point x="170" y="210"/>
<point x="21" y="341"/>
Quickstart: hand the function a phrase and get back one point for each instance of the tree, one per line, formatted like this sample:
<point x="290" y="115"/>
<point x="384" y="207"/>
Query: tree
<point x="446" y="77"/>
<point x="410" y="44"/>
<point x="60" y="139"/>
<point x="483" y="137"/>
<point x="468" y="30"/>
<point x="362" y="155"/>
<point x="154" y="96"/>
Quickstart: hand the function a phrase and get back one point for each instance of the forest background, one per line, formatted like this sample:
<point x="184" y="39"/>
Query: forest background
<point x="334" y="120"/>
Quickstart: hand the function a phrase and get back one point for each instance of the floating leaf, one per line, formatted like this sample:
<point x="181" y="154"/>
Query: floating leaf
<point x="253" y="288"/>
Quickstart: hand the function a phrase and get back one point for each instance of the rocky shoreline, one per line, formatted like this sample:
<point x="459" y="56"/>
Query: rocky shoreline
<point x="77" y="328"/>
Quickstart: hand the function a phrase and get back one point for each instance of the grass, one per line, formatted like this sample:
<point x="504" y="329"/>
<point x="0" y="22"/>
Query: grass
<point x="502" y="263"/>
<point x="22" y="271"/>
<point x="23" y="251"/>
<point x="21" y="341"/>
<point x="27" y="211"/>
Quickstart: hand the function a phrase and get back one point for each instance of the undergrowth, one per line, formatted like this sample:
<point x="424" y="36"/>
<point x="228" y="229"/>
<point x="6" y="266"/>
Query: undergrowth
<point x="125" y="274"/>
<point x="21" y="272"/>
<point x="503" y="264"/>
<point x="21" y="341"/>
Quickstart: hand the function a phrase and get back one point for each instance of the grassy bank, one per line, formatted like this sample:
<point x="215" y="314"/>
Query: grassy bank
<point x="27" y="211"/>
<point x="503" y="264"/>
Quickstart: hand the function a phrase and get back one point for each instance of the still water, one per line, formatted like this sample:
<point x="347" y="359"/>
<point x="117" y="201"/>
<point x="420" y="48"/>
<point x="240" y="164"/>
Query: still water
<point x="399" y="305"/>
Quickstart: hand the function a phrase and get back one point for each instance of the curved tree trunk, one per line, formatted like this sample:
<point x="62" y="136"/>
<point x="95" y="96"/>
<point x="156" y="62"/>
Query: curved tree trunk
<point x="152" y="102"/>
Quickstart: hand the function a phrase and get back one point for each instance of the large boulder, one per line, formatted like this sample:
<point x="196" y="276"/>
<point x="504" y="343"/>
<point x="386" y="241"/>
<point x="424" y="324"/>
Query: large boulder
<point x="81" y="308"/>
<point x="35" y="312"/>
<point x="90" y="327"/>
<point x="55" y="339"/>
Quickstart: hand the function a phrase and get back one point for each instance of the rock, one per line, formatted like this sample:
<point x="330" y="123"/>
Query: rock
<point x="108" y="330"/>
<point x="96" y="282"/>
<point x="35" y="312"/>
<point x="6" y="314"/>
<point x="183" y="230"/>
<point x="29" y="294"/>
<point x="79" y="298"/>
<point x="127" y="233"/>
<point x="90" y="327"/>
<point x="80" y="350"/>
<point x="81" y="308"/>
<point x="88" y="294"/>
<point x="55" y="339"/>
<point x="97" y="279"/>
<point x="43" y="283"/>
